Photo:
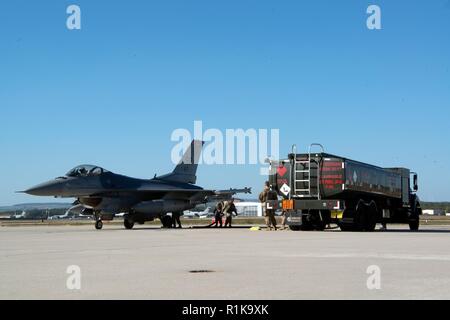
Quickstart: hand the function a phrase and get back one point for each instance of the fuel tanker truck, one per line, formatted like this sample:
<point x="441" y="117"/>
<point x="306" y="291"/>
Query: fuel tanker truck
<point x="318" y="188"/>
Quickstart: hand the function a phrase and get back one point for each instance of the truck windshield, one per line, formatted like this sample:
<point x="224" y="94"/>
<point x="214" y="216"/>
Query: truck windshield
<point x="86" y="171"/>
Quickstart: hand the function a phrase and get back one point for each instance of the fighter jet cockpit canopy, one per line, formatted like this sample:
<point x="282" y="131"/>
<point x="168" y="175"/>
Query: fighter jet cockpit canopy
<point x="86" y="170"/>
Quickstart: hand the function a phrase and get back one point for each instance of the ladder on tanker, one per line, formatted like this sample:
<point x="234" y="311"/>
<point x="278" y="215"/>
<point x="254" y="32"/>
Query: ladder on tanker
<point x="302" y="175"/>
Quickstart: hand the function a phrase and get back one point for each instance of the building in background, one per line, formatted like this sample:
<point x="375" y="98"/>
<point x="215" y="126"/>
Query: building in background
<point x="249" y="209"/>
<point x="433" y="212"/>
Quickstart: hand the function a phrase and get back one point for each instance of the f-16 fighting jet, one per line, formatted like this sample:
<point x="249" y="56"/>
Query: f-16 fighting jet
<point x="104" y="194"/>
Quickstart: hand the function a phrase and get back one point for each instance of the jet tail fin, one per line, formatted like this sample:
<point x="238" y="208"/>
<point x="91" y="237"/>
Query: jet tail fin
<point x="186" y="170"/>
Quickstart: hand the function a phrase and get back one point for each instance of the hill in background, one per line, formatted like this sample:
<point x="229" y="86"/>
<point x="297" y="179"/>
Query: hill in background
<point x="35" y="206"/>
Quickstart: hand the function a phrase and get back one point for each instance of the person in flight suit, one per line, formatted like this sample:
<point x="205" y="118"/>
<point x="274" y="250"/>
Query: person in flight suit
<point x="228" y="209"/>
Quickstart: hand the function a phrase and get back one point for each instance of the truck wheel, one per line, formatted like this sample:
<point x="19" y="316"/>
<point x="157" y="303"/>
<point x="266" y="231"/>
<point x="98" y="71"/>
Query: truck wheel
<point x="414" y="225"/>
<point x="346" y="227"/>
<point x="366" y="218"/>
<point x="320" y="226"/>
<point x="370" y="227"/>
<point x="414" y="221"/>
<point x="320" y="219"/>
<point x="306" y="227"/>
<point x="295" y="228"/>
<point x="313" y="221"/>
<point x="306" y="223"/>
<point x="371" y="218"/>
<point x="360" y="220"/>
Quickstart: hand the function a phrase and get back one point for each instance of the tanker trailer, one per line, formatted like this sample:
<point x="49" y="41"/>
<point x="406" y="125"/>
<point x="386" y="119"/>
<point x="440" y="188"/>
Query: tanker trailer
<point x="318" y="188"/>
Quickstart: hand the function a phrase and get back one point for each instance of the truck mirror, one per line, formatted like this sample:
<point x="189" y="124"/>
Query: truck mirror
<point x="416" y="187"/>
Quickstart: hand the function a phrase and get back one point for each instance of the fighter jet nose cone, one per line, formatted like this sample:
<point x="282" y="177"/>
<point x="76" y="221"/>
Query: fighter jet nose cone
<point x="33" y="191"/>
<point x="50" y="188"/>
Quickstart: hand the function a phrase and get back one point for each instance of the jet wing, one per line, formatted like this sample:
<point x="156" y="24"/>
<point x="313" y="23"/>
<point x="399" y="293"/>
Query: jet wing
<point x="228" y="192"/>
<point x="192" y="194"/>
<point x="207" y="195"/>
<point x="145" y="191"/>
<point x="200" y="195"/>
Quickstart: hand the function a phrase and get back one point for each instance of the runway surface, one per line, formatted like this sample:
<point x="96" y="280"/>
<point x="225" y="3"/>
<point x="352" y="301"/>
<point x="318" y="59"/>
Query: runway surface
<point x="152" y="263"/>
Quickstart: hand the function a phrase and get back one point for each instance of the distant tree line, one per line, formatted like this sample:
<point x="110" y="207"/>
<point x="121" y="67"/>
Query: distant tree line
<point x="436" y="205"/>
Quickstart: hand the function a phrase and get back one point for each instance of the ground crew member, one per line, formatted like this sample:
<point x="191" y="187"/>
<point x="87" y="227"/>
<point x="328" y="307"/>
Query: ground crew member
<point x="228" y="209"/>
<point x="218" y="214"/>
<point x="176" y="219"/>
<point x="283" y="220"/>
<point x="263" y="200"/>
<point x="270" y="213"/>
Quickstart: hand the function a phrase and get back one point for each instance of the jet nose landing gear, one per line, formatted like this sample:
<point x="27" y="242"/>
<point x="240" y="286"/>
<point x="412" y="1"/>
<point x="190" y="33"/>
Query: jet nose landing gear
<point x="98" y="224"/>
<point x="98" y="221"/>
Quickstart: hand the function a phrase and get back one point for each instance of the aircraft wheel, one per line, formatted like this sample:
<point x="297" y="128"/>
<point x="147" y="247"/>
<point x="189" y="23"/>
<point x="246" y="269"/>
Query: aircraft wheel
<point x="166" y="221"/>
<point x="128" y="223"/>
<point x="98" y="224"/>
<point x="295" y="227"/>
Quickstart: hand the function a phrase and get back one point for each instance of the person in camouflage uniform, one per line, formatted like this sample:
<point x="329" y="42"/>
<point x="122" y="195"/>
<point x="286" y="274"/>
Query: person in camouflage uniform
<point x="228" y="209"/>
<point x="269" y="214"/>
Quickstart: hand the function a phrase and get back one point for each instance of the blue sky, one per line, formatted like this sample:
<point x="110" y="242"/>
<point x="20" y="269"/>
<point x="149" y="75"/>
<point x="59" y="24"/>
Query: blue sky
<point x="112" y="93"/>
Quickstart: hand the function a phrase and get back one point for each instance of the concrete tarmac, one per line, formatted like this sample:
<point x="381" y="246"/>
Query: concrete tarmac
<point x="151" y="263"/>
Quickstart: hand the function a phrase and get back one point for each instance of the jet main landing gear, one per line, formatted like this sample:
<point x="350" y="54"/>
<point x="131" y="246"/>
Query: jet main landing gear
<point x="128" y="223"/>
<point x="166" y="221"/>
